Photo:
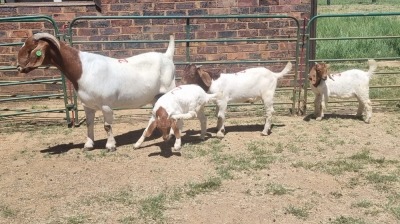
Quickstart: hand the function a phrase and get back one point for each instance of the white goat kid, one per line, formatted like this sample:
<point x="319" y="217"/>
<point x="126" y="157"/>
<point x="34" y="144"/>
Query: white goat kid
<point x="347" y="84"/>
<point x="249" y="85"/>
<point x="183" y="102"/>
<point x="101" y="82"/>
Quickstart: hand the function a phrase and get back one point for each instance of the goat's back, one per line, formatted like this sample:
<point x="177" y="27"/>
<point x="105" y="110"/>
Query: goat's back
<point x="131" y="82"/>
<point x="348" y="83"/>
<point x="182" y="99"/>
<point x="246" y="84"/>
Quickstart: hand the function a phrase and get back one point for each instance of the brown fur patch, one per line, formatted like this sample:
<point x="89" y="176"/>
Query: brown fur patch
<point x="317" y="73"/>
<point x="163" y="122"/>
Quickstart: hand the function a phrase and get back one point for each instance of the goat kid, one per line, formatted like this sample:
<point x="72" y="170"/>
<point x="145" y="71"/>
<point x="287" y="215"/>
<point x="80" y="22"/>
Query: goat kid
<point x="183" y="102"/>
<point x="249" y="85"/>
<point x="101" y="82"/>
<point x="347" y="84"/>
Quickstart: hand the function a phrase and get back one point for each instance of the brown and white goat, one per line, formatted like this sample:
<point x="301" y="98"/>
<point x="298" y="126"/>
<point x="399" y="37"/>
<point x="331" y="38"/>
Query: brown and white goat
<point x="245" y="86"/>
<point x="347" y="84"/>
<point x="101" y="82"/>
<point x="183" y="102"/>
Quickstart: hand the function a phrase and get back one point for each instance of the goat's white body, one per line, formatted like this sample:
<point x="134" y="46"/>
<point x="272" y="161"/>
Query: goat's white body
<point x="347" y="84"/>
<point x="182" y="102"/>
<point x="108" y="83"/>
<point x="130" y="83"/>
<point x="246" y="86"/>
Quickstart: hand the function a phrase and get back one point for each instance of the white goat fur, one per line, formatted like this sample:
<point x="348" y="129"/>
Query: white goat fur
<point x="249" y="85"/>
<point x="347" y="84"/>
<point x="104" y="82"/>
<point x="182" y="102"/>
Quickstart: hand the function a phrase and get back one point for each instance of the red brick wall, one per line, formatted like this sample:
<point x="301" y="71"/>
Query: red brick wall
<point x="96" y="30"/>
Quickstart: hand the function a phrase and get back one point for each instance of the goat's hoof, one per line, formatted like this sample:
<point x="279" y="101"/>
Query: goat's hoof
<point x="318" y="119"/>
<point x="265" y="133"/>
<point x="86" y="149"/>
<point x="177" y="148"/>
<point x="111" y="149"/>
<point x="136" y="146"/>
<point x="221" y="134"/>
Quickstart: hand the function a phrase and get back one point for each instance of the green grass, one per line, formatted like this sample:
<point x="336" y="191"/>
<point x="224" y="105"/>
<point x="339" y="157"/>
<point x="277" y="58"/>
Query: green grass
<point x="347" y="220"/>
<point x="299" y="212"/>
<point x="357" y="27"/>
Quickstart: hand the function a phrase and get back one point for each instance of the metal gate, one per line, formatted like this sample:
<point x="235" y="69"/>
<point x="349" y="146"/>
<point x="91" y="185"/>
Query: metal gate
<point x="186" y="30"/>
<point x="374" y="89"/>
<point x="8" y="112"/>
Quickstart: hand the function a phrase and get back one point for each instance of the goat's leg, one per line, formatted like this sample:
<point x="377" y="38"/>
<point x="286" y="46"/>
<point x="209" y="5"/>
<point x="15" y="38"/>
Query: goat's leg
<point x="368" y="110"/>
<point x="222" y="106"/>
<point x="361" y="107"/>
<point x="108" y="120"/>
<point x="269" y="109"/>
<point x="203" y="122"/>
<point x="145" y="133"/>
<point x="177" y="128"/>
<point x="89" y="113"/>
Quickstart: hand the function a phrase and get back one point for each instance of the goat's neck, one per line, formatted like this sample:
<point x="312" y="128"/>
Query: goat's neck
<point x="68" y="62"/>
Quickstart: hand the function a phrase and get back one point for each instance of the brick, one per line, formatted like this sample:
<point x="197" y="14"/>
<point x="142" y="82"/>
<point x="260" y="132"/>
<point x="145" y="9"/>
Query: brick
<point x="28" y="10"/>
<point x="99" y="24"/>
<point x="87" y="32"/>
<point x="120" y="7"/>
<point x="207" y="50"/>
<point x="227" y="34"/>
<point x="50" y="10"/>
<point x="7" y="26"/>
<point x="21" y="33"/>
<point x="244" y="3"/>
<point x="196" y="12"/>
<point x="74" y="9"/>
<point x="185" y="5"/>
<point x="109" y="31"/>
<point x="219" y="11"/>
<point x="164" y="6"/>
<point x="131" y="29"/>
<point x="32" y="25"/>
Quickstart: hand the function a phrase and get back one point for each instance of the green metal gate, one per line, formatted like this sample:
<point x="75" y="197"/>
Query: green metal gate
<point x="375" y="98"/>
<point x="8" y="112"/>
<point x="186" y="29"/>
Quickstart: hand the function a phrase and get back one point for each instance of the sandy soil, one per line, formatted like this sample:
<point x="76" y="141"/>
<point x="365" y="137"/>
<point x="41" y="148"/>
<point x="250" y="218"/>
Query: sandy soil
<point x="312" y="174"/>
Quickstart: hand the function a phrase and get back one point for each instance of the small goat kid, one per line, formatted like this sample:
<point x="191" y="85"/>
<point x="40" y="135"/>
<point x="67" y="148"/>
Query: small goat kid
<point x="351" y="83"/>
<point x="101" y="82"/>
<point x="183" y="102"/>
<point x="245" y="86"/>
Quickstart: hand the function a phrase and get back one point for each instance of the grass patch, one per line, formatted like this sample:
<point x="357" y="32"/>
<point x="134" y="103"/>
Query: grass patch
<point x="347" y="220"/>
<point x="277" y="189"/>
<point x="206" y="186"/>
<point x="298" y="212"/>
<point x="152" y="208"/>
<point x="7" y="212"/>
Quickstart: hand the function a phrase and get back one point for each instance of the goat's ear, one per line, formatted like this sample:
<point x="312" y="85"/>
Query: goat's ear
<point x="38" y="55"/>
<point x="150" y="129"/>
<point x="205" y="77"/>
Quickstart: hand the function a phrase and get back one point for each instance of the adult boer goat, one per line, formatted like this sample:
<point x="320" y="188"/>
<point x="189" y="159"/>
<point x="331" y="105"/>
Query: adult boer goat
<point x="101" y="82"/>
<point x="246" y="86"/>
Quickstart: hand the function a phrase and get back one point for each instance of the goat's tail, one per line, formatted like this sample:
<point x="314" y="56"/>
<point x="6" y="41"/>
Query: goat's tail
<point x="171" y="47"/>
<point x="214" y="96"/>
<point x="372" y="67"/>
<point x="286" y="70"/>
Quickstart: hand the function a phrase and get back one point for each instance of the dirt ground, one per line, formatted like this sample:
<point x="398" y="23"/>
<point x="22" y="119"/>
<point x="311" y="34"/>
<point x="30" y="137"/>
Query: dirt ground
<point x="339" y="170"/>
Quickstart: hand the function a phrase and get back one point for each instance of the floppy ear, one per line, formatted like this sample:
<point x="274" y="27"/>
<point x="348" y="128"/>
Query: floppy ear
<point x="205" y="77"/>
<point x="38" y="55"/>
<point x="151" y="128"/>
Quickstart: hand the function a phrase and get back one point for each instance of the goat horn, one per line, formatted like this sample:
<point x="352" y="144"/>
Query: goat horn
<point x="47" y="36"/>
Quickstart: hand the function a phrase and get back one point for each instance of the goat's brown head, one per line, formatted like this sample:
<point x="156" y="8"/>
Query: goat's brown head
<point x="163" y="123"/>
<point x="317" y="73"/>
<point x="33" y="53"/>
<point x="193" y="74"/>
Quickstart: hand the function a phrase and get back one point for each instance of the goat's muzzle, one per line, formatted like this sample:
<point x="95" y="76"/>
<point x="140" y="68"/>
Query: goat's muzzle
<point x="23" y="70"/>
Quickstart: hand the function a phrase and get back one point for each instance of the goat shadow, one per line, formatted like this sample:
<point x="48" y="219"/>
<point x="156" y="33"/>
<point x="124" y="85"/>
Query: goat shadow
<point x="131" y="137"/>
<point x="128" y="138"/>
<point x="334" y="116"/>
